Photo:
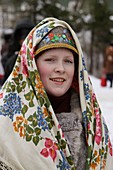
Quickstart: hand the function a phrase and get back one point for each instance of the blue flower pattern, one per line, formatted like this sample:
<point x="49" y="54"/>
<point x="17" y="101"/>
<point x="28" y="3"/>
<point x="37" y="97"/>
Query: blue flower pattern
<point x="106" y="132"/>
<point x="86" y="89"/>
<point x="85" y="120"/>
<point x="83" y="63"/>
<point x="12" y="105"/>
<point x="41" y="32"/>
<point x="63" y="164"/>
<point x="81" y="75"/>
<point x="41" y="120"/>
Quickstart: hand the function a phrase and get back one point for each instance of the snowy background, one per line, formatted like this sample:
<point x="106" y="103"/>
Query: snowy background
<point x="105" y="99"/>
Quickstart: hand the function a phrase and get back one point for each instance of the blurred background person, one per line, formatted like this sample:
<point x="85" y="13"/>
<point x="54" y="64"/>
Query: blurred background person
<point x="108" y="63"/>
<point x="7" y="35"/>
<point x="22" y="28"/>
<point x="5" y="41"/>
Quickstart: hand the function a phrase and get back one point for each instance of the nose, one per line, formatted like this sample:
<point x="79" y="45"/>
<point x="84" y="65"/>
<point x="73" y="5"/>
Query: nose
<point x="60" y="67"/>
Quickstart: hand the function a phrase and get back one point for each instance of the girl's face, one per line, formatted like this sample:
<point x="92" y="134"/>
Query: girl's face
<point x="56" y="69"/>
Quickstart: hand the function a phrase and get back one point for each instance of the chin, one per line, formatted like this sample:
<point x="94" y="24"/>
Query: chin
<point x="58" y="94"/>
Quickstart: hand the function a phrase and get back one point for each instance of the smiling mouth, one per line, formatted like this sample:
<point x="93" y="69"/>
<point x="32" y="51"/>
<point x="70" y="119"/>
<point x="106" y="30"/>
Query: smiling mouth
<point x="57" y="79"/>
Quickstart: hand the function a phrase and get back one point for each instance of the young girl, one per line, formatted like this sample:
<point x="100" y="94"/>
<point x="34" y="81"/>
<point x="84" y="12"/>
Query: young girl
<point x="49" y="114"/>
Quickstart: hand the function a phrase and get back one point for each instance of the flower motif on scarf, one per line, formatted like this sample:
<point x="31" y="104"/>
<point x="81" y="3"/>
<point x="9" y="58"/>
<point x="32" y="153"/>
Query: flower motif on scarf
<point x="83" y="63"/>
<point x="12" y="105"/>
<point x="98" y="135"/>
<point x="42" y="123"/>
<point x="41" y="32"/>
<point x="63" y="164"/>
<point x="81" y="75"/>
<point x="87" y="94"/>
<point x="50" y="149"/>
<point x="25" y="69"/>
<point x="1" y="95"/>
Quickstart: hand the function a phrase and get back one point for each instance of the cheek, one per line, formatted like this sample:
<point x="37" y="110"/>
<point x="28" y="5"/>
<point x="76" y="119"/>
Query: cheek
<point x="43" y="75"/>
<point x="43" y="72"/>
<point x="71" y="73"/>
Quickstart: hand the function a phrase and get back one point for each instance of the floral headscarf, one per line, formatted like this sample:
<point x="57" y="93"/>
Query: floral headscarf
<point x="30" y="135"/>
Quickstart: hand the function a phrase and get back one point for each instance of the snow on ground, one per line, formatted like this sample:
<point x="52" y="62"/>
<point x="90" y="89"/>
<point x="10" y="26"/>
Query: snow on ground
<point x="105" y="99"/>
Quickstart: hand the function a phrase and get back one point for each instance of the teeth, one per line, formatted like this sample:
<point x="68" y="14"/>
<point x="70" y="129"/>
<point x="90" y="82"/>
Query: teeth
<point x="58" y="80"/>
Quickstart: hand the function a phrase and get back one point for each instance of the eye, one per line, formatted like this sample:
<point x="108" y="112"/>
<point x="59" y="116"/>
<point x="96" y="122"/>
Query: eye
<point x="69" y="61"/>
<point x="50" y="59"/>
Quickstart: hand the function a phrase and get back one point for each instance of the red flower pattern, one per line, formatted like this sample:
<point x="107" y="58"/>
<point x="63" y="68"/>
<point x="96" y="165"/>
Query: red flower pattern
<point x="1" y="95"/>
<point x="110" y="148"/>
<point x="25" y="68"/>
<point x="50" y="149"/>
<point x="45" y="152"/>
<point x="98" y="136"/>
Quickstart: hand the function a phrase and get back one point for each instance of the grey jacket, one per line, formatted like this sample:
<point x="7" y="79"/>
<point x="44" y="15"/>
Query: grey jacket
<point x="72" y="126"/>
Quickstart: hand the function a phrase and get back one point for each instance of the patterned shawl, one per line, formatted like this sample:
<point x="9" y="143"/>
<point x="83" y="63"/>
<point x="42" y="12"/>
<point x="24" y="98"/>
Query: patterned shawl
<point x="30" y="134"/>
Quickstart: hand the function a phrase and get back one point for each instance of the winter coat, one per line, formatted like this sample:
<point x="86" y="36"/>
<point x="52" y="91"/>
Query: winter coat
<point x="108" y="60"/>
